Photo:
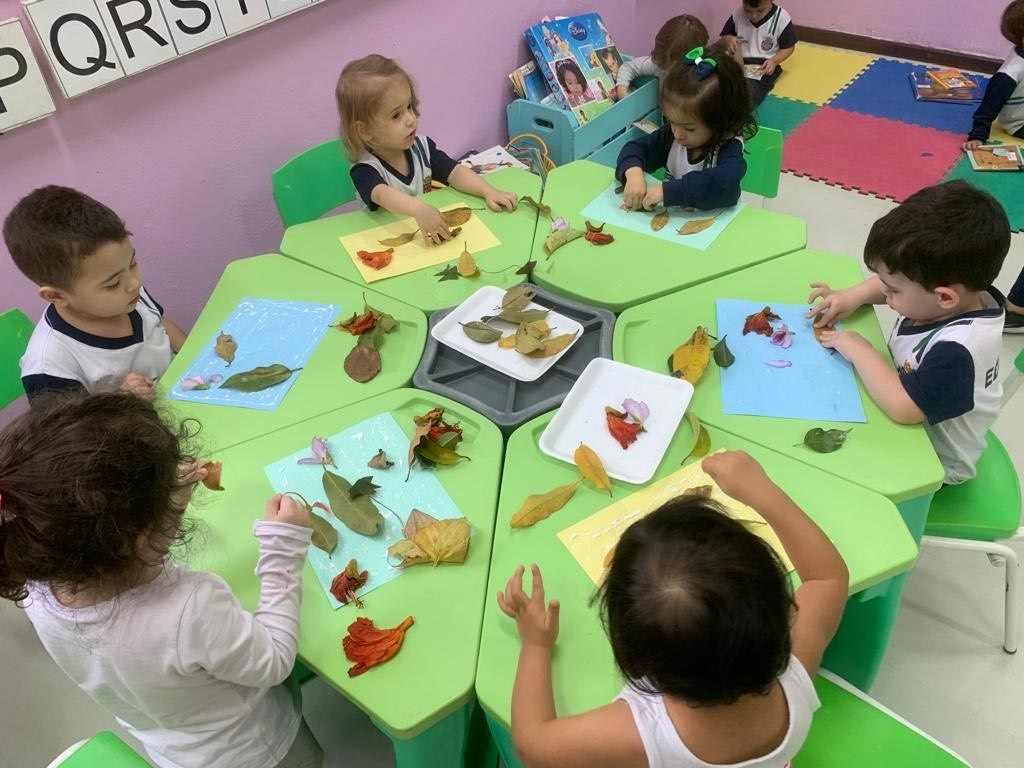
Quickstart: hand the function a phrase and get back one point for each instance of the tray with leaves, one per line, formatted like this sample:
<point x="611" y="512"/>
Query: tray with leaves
<point x="508" y="331"/>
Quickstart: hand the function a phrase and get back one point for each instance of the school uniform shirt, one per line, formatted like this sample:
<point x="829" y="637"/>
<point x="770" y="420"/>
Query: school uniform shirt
<point x="1003" y="100"/>
<point x="182" y="666"/>
<point x="709" y="183"/>
<point x="664" y="748"/>
<point x="950" y="369"/>
<point x="766" y="38"/>
<point x="62" y="357"/>
<point x="427" y="163"/>
<point x="638" y="66"/>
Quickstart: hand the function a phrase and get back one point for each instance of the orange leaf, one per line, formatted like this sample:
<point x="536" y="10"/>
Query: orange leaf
<point x="592" y="468"/>
<point x="368" y="646"/>
<point x="376" y="259"/>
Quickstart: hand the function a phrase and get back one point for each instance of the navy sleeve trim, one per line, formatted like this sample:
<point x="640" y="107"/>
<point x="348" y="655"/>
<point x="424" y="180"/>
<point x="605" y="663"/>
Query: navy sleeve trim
<point x="649" y="152"/>
<point x="149" y="301"/>
<point x="366" y="178"/>
<point x="36" y="384"/>
<point x="943" y="385"/>
<point x="788" y="37"/>
<point x="1000" y="89"/>
<point x="715" y="187"/>
<point x="729" y="28"/>
<point x="441" y="165"/>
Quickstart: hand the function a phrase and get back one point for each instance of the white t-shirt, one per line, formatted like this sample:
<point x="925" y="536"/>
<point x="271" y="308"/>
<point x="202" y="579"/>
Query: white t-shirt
<point x="1011" y="117"/>
<point x="182" y="666"/>
<point x="62" y="357"/>
<point x="767" y="37"/>
<point x="664" y="748"/>
<point x="950" y="369"/>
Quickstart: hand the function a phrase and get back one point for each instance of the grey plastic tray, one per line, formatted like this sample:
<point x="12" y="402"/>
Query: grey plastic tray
<point x="502" y="399"/>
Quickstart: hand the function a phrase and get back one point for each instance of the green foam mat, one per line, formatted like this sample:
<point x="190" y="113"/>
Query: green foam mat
<point x="783" y="114"/>
<point x="1006" y="187"/>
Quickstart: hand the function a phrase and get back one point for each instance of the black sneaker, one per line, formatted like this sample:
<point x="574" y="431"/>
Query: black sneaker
<point x="1014" y="323"/>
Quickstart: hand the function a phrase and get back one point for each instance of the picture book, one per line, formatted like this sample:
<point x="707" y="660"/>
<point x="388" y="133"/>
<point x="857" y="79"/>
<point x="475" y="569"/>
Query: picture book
<point x="529" y="84"/>
<point x="996" y="157"/>
<point x="490" y="160"/>
<point x="579" y="60"/>
<point x="926" y="88"/>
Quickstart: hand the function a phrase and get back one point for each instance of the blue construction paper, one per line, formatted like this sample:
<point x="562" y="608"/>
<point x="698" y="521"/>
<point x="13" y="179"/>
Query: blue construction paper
<point x="266" y="332"/>
<point x="819" y="386"/>
<point x="881" y="90"/>
<point x="607" y="207"/>
<point x="352" y="449"/>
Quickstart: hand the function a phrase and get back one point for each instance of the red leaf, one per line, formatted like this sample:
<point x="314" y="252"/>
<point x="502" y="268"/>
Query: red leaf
<point x="368" y="646"/>
<point x="624" y="431"/>
<point x="376" y="259"/>
<point x="345" y="584"/>
<point x="760" y="322"/>
<point x="357" y="325"/>
<point x="597" y="237"/>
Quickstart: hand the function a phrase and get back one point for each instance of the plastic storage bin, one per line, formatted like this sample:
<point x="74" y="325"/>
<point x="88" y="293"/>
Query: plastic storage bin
<point x="505" y="401"/>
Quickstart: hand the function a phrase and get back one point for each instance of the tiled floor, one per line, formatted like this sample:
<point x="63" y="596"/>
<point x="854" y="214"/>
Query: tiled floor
<point x="945" y="670"/>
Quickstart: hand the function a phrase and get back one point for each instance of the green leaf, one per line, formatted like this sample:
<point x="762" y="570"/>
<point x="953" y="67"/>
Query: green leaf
<point x="374" y="338"/>
<point x="359" y="514"/>
<point x="517" y="298"/>
<point x="481" y="332"/>
<point x="451" y="272"/>
<point x="449" y="439"/>
<point x="432" y="452"/>
<point x="722" y="354"/>
<point x="701" y="438"/>
<point x="826" y="440"/>
<point x="325" y="536"/>
<point x="260" y="378"/>
<point x="364" y="486"/>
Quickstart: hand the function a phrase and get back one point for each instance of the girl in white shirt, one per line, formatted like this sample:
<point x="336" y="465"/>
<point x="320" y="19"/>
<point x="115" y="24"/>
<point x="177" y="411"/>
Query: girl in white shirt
<point x="717" y="652"/>
<point x="93" y="491"/>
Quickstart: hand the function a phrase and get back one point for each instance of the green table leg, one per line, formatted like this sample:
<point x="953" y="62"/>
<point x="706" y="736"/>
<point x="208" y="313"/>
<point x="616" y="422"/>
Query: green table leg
<point x="461" y="740"/>
<point x="502" y="737"/>
<point x="857" y="650"/>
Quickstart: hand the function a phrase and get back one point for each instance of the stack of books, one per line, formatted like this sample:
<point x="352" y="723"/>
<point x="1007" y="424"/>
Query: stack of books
<point x="947" y="85"/>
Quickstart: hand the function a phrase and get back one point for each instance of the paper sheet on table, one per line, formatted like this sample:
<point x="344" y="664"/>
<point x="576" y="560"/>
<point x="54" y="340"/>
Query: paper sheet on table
<point x="267" y="332"/>
<point x="818" y="386"/>
<point x="607" y="207"/>
<point x="351" y="449"/>
<point x="590" y="540"/>
<point x="416" y="254"/>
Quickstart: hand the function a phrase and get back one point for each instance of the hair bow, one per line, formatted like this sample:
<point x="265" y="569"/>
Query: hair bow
<point x="705" y="65"/>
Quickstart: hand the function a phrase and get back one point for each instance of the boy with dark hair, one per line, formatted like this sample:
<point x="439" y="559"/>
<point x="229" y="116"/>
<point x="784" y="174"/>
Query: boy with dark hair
<point x="677" y="37"/>
<point x="934" y="258"/>
<point x="102" y="330"/>
<point x="1004" y="96"/>
<point x="767" y="38"/>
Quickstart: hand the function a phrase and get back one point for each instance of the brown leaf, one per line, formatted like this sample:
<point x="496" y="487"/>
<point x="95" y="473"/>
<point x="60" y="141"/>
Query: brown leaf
<point x="760" y="322"/>
<point x="362" y="363"/>
<point x="380" y="460"/>
<point x="417" y="519"/>
<point x="592" y="468"/>
<point x="429" y="540"/>
<point x="212" y="479"/>
<point x="407" y="553"/>
<point x="540" y="506"/>
<point x="659" y="220"/>
<point x="225" y="347"/>
<point x="456" y="217"/>
<point x="345" y="584"/>
<point x="357" y="325"/>
<point x="695" y="226"/>
<point x="554" y="345"/>
<point x="402" y="239"/>
<point x="689" y="360"/>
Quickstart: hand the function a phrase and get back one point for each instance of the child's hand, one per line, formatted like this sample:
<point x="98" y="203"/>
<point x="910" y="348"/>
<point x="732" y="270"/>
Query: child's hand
<point x="973" y="144"/>
<point x="432" y="225"/>
<point x="739" y="475"/>
<point x="285" y="509"/>
<point x="537" y="622"/>
<point x="768" y="67"/>
<point x="635" y="190"/>
<point x="189" y="473"/>
<point x="619" y="92"/>
<point x="497" y="200"/>
<point x="840" y="341"/>
<point x="654" y="198"/>
<point x="834" y="305"/>
<point x="140" y="385"/>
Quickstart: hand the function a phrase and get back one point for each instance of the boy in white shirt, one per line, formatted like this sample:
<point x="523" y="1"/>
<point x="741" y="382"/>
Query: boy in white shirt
<point x="677" y="36"/>
<point x="767" y="36"/>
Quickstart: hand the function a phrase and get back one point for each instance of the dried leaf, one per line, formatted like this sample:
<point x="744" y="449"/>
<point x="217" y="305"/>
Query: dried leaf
<point x="599" y="238"/>
<point x="213" y="471"/>
<point x="432" y="426"/>
<point x="538" y="329"/>
<point x="376" y="259"/>
<point x="541" y="208"/>
<point x="467" y="264"/>
<point x="345" y="584"/>
<point x="433" y="452"/>
<point x="557" y="239"/>
<point x="527" y="268"/>
<point x="527" y="344"/>
<point x="456" y="217"/>
<point x="778" y="363"/>
<point x="480" y="332"/>
<point x="659" y="220"/>
<point x="358" y="324"/>
<point x="407" y="553"/>
<point x="722" y="354"/>
<point x="257" y="379"/>
<point x="380" y="460"/>
<point x="451" y="272"/>
<point x="225" y="347"/>
<point x="592" y="468"/>
<point x="359" y="514"/>
<point x="594" y="228"/>
<point x="363" y="363"/>
<point x="364" y="486"/>
<point x="826" y="440"/>
<point x="760" y="322"/>
<point x="625" y="432"/>
<point x="517" y="316"/>
<point x="442" y="541"/>
<point x="701" y="438"/>
<point x="695" y="226"/>
<point x="508" y="342"/>
<point x="689" y="360"/>
<point x="325" y="535"/>
<point x="402" y="239"/>
<point x="368" y="646"/>
<point x="543" y="505"/>
<point x="374" y="338"/>
<point x="517" y="298"/>
<point x="554" y="345"/>
<point x="417" y="519"/>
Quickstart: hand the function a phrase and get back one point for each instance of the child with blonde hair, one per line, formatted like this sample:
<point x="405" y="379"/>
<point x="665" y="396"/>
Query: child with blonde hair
<point x="677" y="36"/>
<point x="392" y="166"/>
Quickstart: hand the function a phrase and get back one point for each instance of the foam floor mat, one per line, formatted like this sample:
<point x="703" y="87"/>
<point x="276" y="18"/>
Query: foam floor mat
<point x="784" y="114"/>
<point x="815" y="73"/>
<point x="1006" y="187"/>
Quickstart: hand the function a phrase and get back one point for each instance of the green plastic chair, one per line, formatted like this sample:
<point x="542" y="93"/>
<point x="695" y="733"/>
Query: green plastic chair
<point x="313" y="182"/>
<point x="764" y="163"/>
<point x="104" y="750"/>
<point x="852" y="730"/>
<point x="15" y="329"/>
<point x="983" y="514"/>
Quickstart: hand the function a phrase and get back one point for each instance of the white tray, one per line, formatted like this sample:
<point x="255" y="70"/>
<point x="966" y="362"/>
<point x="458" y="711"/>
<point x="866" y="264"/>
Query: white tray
<point x="582" y="418"/>
<point x="487" y="301"/>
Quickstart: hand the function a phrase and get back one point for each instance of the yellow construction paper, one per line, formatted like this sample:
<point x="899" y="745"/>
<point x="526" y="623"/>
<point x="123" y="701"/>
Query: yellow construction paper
<point x="416" y="254"/>
<point x="590" y="540"/>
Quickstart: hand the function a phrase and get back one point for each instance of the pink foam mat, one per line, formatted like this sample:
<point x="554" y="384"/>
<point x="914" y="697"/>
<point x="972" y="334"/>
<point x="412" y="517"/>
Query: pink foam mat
<point x="870" y="154"/>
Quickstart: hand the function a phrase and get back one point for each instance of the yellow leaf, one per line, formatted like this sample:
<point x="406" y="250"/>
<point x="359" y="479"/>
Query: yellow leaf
<point x="701" y="438"/>
<point x="508" y="342"/>
<point x="690" y="359"/>
<point x="225" y="347"/>
<point x="408" y="553"/>
<point x="444" y="541"/>
<point x="467" y="264"/>
<point x="592" y="468"/>
<point x="456" y="217"/>
<point x="402" y="239"/>
<point x="538" y="329"/>
<point x="659" y="220"/>
<point x="695" y="226"/>
<point x="542" y="505"/>
<point x="554" y="345"/>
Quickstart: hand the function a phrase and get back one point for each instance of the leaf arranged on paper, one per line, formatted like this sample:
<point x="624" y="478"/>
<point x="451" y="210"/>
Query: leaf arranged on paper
<point x="225" y="347"/>
<point x="527" y="268"/>
<point x="345" y="584"/>
<point x="362" y="364"/>
<point x="659" y="220"/>
<point x="696" y="225"/>
<point x="325" y="535"/>
<point x="367" y="646"/>
<point x="701" y="438"/>
<point x="541" y="208"/>
<point x="625" y="432"/>
<point x="557" y="239"/>
<point x="689" y="360"/>
<point x="320" y="453"/>
<point x="722" y="354"/>
<point x="782" y="337"/>
<point x="359" y="514"/>
<point x="376" y="259"/>
<point x="450" y="272"/>
<point x="456" y="217"/>
<point x="825" y="440"/>
<point x="429" y="540"/>
<point x="364" y="486"/>
<point x="481" y="332"/>
<point x="380" y="460"/>
<point x="200" y="383"/>
<point x="434" y="440"/>
<point x="540" y="506"/>
<point x="592" y="468"/>
<point x="398" y="240"/>
<point x="260" y="378"/>
<point x="213" y="472"/>
<point x="433" y="452"/>
<point x="778" y="363"/>
<point x="760" y="322"/>
<point x="467" y="264"/>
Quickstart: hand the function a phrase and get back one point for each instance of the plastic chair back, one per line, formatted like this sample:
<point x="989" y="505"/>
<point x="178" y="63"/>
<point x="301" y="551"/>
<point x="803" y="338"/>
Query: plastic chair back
<point x="1014" y="378"/>
<point x="15" y="329"/>
<point x="104" y="750"/>
<point x="313" y="182"/>
<point x="764" y="163"/>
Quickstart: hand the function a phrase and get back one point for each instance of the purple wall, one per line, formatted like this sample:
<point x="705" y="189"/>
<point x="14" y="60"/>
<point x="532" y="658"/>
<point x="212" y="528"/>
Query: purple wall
<point x="184" y="152"/>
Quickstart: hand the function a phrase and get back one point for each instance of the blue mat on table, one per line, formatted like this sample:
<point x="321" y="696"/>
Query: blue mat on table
<point x="883" y="90"/>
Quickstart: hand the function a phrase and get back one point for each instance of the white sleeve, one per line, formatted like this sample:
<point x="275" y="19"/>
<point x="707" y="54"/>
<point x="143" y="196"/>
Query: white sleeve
<point x="638" y="67"/>
<point x="254" y="649"/>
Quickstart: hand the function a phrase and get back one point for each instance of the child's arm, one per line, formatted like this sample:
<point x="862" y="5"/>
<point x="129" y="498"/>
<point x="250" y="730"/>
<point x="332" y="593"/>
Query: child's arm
<point x="999" y="90"/>
<point x="602" y="737"/>
<point x="641" y="66"/>
<point x="465" y="180"/>
<point x="646" y="153"/>
<point x="835" y="305"/>
<point x="717" y="187"/>
<point x="174" y="332"/>
<point x="787" y="44"/>
<point x="822" y="594"/>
